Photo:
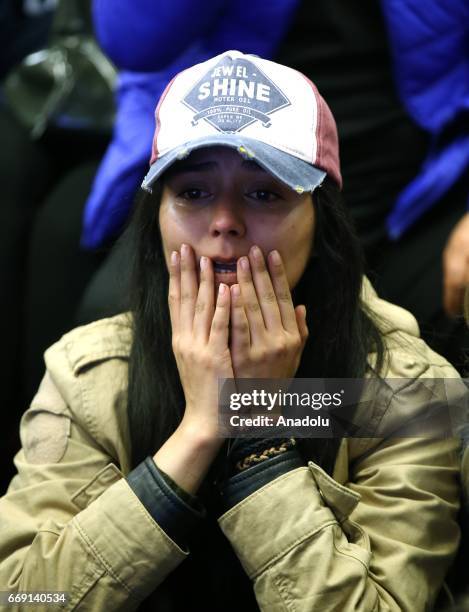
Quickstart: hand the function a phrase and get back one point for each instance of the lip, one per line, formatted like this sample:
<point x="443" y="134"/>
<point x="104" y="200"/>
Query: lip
<point x="229" y="263"/>
<point x="225" y="260"/>
<point x="228" y="278"/>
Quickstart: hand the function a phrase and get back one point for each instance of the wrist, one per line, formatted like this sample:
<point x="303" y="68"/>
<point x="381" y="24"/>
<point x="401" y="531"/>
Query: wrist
<point x="202" y="433"/>
<point x="188" y="454"/>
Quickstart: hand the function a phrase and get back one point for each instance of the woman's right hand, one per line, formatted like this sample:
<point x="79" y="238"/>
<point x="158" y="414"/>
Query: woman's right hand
<point x="200" y="329"/>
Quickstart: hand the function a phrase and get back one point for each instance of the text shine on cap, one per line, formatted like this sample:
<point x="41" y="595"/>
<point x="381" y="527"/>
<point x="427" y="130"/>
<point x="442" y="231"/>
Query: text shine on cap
<point x="269" y="113"/>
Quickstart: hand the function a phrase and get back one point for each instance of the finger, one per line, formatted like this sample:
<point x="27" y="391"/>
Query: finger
<point x="219" y="329"/>
<point x="250" y="301"/>
<point x="204" y="306"/>
<point x="174" y="292"/>
<point x="189" y="288"/>
<point x="240" y="339"/>
<point x="455" y="279"/>
<point x="264" y="290"/>
<point x="300" y="315"/>
<point x="453" y="298"/>
<point x="282" y="291"/>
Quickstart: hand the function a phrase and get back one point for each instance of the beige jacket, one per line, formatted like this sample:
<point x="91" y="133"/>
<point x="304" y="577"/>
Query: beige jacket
<point x="380" y="535"/>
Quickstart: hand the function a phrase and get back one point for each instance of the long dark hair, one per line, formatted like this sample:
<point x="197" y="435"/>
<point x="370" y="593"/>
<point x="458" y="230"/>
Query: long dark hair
<point x="342" y="332"/>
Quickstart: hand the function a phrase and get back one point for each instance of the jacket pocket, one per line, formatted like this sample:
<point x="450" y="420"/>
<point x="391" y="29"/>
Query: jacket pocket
<point x="101" y="481"/>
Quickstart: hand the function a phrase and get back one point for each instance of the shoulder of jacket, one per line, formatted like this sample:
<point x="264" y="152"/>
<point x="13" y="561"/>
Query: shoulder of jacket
<point x="389" y="318"/>
<point x="410" y="357"/>
<point x="418" y="388"/>
<point x="406" y="354"/>
<point x="90" y="344"/>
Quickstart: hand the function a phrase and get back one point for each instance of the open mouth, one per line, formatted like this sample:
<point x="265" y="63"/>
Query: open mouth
<point x="224" y="267"/>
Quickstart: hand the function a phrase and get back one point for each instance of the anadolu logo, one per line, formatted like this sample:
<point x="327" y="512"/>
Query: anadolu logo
<point x="234" y="94"/>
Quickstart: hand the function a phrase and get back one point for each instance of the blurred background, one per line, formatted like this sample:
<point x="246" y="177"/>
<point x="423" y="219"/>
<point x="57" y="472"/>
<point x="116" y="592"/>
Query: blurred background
<point x="79" y="82"/>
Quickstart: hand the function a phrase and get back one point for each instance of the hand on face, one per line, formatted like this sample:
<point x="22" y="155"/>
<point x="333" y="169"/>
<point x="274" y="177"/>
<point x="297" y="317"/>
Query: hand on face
<point x="200" y="329"/>
<point x="268" y="333"/>
<point x="250" y="331"/>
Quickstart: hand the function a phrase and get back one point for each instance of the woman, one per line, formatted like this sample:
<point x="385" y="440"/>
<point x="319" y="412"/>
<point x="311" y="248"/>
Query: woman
<point x="242" y="246"/>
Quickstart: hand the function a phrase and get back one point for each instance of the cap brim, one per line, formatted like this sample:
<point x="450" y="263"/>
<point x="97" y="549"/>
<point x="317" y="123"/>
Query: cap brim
<point x="294" y="172"/>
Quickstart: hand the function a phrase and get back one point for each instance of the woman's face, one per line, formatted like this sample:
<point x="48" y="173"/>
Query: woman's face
<point x="222" y="204"/>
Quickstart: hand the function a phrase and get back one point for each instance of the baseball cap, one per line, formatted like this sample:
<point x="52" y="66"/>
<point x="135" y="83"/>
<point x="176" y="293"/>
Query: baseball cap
<point x="268" y="112"/>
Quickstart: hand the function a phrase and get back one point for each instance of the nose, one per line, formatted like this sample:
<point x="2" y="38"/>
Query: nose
<point x="227" y="220"/>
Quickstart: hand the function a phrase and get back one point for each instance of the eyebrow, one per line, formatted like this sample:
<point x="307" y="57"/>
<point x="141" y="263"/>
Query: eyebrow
<point x="182" y="167"/>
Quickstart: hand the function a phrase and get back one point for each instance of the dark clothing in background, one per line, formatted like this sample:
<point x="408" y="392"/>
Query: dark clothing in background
<point x="21" y="32"/>
<point x="343" y="47"/>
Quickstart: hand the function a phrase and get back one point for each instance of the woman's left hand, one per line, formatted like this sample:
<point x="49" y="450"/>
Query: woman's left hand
<point x="268" y="333"/>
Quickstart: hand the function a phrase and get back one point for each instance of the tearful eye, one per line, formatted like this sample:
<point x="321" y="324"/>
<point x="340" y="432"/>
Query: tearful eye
<point x="264" y="195"/>
<point x="193" y="194"/>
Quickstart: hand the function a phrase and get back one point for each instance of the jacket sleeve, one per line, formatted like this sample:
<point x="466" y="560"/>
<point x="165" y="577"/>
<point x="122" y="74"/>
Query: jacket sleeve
<point x="70" y="522"/>
<point x="381" y="539"/>
<point x="384" y="542"/>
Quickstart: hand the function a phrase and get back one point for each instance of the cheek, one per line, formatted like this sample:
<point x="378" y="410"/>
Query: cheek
<point x="173" y="232"/>
<point x="177" y="229"/>
<point x="165" y="234"/>
<point x="296" y="253"/>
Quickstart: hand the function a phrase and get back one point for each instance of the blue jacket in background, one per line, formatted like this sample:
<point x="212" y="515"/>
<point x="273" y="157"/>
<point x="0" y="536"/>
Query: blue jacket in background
<point x="152" y="40"/>
<point x="163" y="38"/>
<point x="429" y="44"/>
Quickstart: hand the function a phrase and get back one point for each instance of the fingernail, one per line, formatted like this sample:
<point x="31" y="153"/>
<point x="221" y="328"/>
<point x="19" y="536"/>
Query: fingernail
<point x="257" y="253"/>
<point x="174" y="257"/>
<point x="275" y="258"/>
<point x="184" y="250"/>
<point x="222" y="288"/>
<point x="236" y="290"/>
<point x="244" y="261"/>
<point x="203" y="262"/>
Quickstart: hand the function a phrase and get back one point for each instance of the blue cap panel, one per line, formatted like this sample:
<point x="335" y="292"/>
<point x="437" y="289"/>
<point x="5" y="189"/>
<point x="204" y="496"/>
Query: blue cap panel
<point x="294" y="172"/>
